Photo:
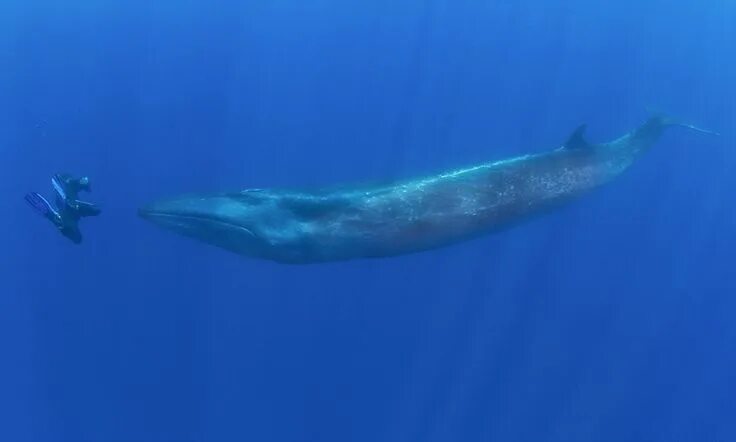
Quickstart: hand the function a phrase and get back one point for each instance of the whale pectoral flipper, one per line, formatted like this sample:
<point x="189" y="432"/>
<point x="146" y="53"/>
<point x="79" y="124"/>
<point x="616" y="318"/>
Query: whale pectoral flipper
<point x="577" y="139"/>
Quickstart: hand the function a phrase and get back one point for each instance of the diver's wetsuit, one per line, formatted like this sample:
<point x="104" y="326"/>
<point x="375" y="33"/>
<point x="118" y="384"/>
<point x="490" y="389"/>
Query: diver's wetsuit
<point x="69" y="209"/>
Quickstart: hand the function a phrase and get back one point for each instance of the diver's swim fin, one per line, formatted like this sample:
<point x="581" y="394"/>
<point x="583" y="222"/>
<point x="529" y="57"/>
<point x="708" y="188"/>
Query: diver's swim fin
<point x="41" y="205"/>
<point x="59" y="186"/>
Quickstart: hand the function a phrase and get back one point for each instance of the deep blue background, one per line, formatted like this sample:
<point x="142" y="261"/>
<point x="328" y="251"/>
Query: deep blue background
<point x="610" y="320"/>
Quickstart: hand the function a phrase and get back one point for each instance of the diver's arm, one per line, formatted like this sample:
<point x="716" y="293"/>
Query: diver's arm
<point x="86" y="209"/>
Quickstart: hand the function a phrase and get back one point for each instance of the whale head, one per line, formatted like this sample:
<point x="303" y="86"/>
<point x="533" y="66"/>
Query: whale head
<point x="231" y="221"/>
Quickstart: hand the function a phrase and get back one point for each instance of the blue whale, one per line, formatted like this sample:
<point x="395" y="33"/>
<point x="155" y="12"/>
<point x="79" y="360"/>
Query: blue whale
<point x="311" y="226"/>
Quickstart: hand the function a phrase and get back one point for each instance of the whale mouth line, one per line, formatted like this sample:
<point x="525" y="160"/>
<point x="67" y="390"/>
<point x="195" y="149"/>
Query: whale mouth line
<point x="153" y="214"/>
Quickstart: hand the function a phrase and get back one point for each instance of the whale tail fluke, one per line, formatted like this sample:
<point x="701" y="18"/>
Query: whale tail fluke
<point x="674" y="122"/>
<point x="662" y="120"/>
<point x="651" y="130"/>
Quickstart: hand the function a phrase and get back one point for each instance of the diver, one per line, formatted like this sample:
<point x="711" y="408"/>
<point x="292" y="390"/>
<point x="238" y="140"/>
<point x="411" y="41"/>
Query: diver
<point x="69" y="209"/>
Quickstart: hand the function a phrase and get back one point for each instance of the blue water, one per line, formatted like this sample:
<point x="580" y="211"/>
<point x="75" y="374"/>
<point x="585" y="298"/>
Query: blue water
<point x="609" y="320"/>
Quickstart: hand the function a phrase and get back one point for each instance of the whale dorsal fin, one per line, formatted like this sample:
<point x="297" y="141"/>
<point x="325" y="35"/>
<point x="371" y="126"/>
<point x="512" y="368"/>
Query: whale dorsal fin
<point x="577" y="139"/>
